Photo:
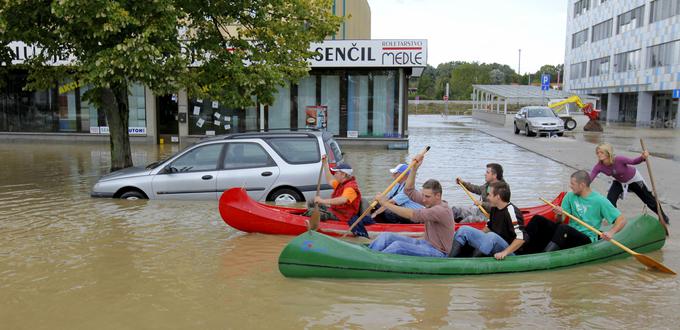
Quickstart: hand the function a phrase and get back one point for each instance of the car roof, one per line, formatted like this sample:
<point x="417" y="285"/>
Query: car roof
<point x="269" y="134"/>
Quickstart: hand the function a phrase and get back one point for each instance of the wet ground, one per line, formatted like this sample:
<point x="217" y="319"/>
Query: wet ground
<point x="70" y="261"/>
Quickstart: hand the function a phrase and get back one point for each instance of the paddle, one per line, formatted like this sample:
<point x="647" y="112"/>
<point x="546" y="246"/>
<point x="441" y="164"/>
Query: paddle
<point x="645" y="260"/>
<point x="316" y="214"/>
<point x="479" y="205"/>
<point x="375" y="202"/>
<point x="651" y="178"/>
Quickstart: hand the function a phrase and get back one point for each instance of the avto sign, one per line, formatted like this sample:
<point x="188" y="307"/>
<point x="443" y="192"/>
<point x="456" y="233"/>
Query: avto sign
<point x="370" y="53"/>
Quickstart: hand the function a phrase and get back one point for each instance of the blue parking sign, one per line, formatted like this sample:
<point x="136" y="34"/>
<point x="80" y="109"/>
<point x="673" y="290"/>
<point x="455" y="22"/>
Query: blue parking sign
<point x="545" y="82"/>
<point x="676" y="93"/>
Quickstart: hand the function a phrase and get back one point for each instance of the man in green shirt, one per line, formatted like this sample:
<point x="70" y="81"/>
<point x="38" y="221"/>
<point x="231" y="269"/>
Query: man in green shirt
<point x="583" y="203"/>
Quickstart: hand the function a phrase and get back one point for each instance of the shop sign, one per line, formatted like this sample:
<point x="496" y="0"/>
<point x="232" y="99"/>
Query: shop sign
<point x="370" y="53"/>
<point x="21" y="52"/>
<point x="105" y="130"/>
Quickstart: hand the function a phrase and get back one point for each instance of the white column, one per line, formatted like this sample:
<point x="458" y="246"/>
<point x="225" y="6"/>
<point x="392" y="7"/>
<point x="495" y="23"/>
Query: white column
<point x="644" y="109"/>
<point x="474" y="97"/>
<point x="613" y="107"/>
<point x="262" y="117"/>
<point x="498" y="104"/>
<point x="150" y="105"/>
<point x="505" y="106"/>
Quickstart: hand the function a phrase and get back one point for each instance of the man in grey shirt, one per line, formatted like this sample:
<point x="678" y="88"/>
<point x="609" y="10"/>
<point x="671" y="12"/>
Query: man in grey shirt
<point x="436" y="216"/>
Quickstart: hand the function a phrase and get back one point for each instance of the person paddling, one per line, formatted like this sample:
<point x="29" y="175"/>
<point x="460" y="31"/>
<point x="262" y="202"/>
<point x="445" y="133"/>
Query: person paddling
<point x="585" y="204"/>
<point x="472" y="213"/>
<point x="346" y="197"/>
<point x="436" y="216"/>
<point x="626" y="176"/>
<point x="504" y="232"/>
<point x="397" y="197"/>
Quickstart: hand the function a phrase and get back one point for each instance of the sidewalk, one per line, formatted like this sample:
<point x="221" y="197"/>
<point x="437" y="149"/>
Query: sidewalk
<point x="577" y="151"/>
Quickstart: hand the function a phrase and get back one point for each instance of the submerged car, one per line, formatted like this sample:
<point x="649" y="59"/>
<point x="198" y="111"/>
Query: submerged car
<point x="271" y="166"/>
<point x="538" y="120"/>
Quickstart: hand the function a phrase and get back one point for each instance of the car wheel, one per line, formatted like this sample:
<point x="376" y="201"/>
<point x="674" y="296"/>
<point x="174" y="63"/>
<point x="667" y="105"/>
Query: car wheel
<point x="516" y="128"/>
<point x="285" y="195"/>
<point x="570" y="124"/>
<point x="132" y="195"/>
<point x="527" y="132"/>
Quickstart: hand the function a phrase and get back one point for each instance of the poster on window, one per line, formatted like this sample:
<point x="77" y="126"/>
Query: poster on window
<point x="316" y="116"/>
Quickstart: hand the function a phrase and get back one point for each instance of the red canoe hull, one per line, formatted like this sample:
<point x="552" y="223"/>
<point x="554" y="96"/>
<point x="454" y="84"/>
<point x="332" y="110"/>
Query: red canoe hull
<point x="239" y="211"/>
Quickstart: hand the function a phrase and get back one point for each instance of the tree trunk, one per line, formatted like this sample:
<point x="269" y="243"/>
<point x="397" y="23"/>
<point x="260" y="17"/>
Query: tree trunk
<point x="114" y="101"/>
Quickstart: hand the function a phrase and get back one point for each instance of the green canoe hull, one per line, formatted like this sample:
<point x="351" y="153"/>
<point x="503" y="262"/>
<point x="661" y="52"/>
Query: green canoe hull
<point x="312" y="254"/>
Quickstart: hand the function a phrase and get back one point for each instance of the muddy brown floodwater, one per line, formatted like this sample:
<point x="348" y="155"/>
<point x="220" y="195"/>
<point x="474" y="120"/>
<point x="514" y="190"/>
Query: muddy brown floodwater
<point x="71" y="261"/>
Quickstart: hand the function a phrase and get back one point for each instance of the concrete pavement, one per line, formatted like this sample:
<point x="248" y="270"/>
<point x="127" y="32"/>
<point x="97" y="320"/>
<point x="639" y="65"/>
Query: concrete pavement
<point x="577" y="151"/>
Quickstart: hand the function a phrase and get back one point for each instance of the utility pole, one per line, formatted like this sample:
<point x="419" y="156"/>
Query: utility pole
<point x="519" y="62"/>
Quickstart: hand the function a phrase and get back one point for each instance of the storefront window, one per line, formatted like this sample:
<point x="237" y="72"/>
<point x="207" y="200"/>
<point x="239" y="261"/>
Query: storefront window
<point x="278" y="115"/>
<point x="207" y="117"/>
<point x="384" y="103"/>
<point x="330" y="97"/>
<point x="96" y="118"/>
<point x="306" y="97"/>
<point x="357" y="104"/>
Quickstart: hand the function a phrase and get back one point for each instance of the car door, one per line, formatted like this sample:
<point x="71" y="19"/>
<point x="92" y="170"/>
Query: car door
<point x="520" y="119"/>
<point x="248" y="165"/>
<point x="192" y="175"/>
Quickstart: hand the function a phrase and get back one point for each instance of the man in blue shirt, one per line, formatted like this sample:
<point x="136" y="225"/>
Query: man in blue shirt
<point x="397" y="197"/>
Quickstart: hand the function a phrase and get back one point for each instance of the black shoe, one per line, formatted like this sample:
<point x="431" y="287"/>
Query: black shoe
<point x="455" y="249"/>
<point x="478" y="254"/>
<point x="551" y="247"/>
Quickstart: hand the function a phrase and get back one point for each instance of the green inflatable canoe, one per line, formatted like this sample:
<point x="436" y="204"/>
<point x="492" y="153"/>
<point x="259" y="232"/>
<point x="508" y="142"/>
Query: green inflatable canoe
<point x="312" y="254"/>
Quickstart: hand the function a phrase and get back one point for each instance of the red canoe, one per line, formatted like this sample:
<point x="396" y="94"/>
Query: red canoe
<point x="238" y="210"/>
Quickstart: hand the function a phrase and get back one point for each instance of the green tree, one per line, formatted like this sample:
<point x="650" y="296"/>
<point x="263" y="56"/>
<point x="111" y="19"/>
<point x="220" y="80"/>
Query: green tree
<point x="167" y="45"/>
<point x="463" y="76"/>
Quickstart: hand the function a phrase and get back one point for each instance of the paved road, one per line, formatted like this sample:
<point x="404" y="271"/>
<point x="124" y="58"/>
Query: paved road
<point x="575" y="152"/>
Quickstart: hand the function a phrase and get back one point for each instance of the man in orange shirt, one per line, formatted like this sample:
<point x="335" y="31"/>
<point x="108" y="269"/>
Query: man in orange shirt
<point x="346" y="197"/>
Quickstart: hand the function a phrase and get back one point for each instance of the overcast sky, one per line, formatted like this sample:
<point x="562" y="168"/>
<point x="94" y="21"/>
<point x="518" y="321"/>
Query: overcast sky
<point x="477" y="30"/>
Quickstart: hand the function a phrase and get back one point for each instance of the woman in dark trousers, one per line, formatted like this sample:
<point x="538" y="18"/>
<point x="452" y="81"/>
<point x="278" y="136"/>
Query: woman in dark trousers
<point x="626" y="176"/>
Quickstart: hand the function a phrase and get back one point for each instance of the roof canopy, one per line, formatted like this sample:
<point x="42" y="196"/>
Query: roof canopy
<point x="526" y="94"/>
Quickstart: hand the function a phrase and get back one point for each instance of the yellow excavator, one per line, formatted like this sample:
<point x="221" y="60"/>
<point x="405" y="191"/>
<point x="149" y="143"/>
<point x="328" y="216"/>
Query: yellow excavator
<point x="587" y="108"/>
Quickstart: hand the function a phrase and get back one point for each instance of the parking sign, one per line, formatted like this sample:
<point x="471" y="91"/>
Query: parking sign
<point x="545" y="82"/>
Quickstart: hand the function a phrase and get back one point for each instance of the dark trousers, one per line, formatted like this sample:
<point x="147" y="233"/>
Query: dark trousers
<point x="542" y="231"/>
<point x="640" y="189"/>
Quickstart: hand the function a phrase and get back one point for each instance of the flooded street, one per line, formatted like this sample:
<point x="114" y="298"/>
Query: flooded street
<point x="71" y="261"/>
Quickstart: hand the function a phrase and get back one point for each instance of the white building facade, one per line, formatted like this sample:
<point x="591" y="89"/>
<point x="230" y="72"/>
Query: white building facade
<point x="628" y="54"/>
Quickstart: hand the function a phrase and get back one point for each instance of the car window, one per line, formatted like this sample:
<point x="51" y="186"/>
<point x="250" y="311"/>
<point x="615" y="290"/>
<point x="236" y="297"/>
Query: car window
<point x="246" y="155"/>
<point x="296" y="150"/>
<point x="333" y="149"/>
<point x="540" y="112"/>
<point x="204" y="158"/>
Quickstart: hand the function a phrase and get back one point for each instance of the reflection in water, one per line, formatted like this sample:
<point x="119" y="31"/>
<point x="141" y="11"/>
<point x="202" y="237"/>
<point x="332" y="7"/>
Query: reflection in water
<point x="71" y="261"/>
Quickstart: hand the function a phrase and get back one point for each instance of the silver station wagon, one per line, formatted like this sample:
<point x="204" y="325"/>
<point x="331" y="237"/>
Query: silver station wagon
<point x="536" y="120"/>
<point x="271" y="166"/>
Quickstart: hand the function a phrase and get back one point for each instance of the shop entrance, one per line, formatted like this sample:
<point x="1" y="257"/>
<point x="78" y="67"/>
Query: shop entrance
<point x="665" y="111"/>
<point x="167" y="123"/>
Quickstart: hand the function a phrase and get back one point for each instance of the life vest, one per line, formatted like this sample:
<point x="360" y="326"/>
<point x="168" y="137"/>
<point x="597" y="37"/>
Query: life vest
<point x="346" y="211"/>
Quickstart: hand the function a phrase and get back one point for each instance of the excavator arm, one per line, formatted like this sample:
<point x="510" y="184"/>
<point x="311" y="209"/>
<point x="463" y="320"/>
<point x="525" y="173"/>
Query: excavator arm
<point x="587" y="108"/>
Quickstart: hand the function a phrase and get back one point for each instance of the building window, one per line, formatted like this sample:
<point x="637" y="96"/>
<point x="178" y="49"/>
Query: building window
<point x="580" y="7"/>
<point x="207" y="117"/>
<point x="663" y="54"/>
<point x="599" y="66"/>
<point x="627" y="61"/>
<point x="578" y="70"/>
<point x="579" y="38"/>
<point x="602" y="30"/>
<point x="662" y="9"/>
<point x="630" y="20"/>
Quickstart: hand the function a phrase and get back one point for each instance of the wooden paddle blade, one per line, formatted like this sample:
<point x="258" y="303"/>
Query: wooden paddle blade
<point x="653" y="264"/>
<point x="315" y="218"/>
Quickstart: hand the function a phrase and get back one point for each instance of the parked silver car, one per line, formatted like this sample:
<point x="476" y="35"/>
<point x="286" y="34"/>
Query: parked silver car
<point x="538" y="120"/>
<point x="272" y="166"/>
